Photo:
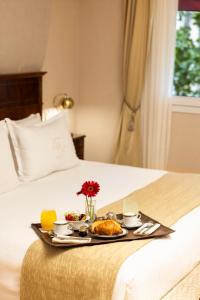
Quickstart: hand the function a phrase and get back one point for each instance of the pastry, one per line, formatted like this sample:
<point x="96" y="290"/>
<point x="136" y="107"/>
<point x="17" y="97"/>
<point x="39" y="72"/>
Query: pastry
<point x="106" y="227"/>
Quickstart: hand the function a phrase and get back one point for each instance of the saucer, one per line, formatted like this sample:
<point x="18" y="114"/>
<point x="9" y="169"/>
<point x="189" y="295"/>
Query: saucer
<point x="136" y="225"/>
<point x="67" y="232"/>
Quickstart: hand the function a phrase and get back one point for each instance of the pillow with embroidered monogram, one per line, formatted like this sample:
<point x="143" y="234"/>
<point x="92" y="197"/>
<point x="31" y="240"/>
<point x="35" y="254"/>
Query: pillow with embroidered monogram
<point x="8" y="175"/>
<point x="42" y="148"/>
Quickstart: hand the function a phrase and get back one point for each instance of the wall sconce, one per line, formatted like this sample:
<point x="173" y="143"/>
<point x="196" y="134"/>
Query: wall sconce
<point x="63" y="100"/>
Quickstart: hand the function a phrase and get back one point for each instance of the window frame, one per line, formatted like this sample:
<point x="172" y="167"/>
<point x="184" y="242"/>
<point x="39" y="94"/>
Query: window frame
<point x="189" y="5"/>
<point x="187" y="104"/>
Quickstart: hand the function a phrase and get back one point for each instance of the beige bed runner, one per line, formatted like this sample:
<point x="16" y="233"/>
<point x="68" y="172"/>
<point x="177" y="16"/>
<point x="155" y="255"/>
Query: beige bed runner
<point x="90" y="272"/>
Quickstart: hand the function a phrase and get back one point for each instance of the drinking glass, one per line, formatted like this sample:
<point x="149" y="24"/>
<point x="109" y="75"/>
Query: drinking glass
<point x="48" y="217"/>
<point x="130" y="206"/>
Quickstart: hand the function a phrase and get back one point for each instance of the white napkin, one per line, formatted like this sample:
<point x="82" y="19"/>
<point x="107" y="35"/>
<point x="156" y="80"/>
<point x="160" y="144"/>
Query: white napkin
<point x="71" y="240"/>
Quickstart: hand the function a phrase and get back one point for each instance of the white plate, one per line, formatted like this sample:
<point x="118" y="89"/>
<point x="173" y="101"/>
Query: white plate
<point x="115" y="236"/>
<point x="136" y="225"/>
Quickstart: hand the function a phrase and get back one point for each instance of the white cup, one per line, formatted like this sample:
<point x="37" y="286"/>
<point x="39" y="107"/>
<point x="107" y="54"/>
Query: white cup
<point x="61" y="228"/>
<point x="131" y="219"/>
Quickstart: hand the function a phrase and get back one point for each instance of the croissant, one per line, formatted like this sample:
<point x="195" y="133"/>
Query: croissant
<point x="107" y="227"/>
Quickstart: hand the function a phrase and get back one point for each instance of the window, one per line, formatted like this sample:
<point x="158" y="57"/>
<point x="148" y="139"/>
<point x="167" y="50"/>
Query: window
<point x="187" y="52"/>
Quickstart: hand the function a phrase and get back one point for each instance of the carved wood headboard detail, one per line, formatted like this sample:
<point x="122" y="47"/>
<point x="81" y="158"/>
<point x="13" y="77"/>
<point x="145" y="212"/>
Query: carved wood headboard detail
<point x="20" y="95"/>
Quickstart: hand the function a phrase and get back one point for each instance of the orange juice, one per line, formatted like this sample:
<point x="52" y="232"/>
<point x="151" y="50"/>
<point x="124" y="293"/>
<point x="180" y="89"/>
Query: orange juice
<point x="48" y="217"/>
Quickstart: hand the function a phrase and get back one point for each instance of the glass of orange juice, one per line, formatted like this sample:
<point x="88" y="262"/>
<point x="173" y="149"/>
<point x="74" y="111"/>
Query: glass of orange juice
<point x="47" y="218"/>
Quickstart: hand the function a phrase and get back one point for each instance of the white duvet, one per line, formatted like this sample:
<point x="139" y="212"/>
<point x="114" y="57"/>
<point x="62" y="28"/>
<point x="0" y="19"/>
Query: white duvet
<point x="148" y="274"/>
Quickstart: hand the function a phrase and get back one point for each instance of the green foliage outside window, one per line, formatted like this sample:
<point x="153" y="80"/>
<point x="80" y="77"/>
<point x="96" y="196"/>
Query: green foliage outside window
<point x="187" y="55"/>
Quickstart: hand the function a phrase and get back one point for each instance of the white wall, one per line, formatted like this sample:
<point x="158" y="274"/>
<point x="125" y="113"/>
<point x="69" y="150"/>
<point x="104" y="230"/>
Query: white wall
<point x="24" y="28"/>
<point x="184" y="155"/>
<point x="62" y="55"/>
<point x="101" y="32"/>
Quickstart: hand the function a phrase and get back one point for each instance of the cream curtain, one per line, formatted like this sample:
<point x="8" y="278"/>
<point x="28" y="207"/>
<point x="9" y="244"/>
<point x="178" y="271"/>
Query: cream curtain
<point x="135" y="51"/>
<point x="156" y="105"/>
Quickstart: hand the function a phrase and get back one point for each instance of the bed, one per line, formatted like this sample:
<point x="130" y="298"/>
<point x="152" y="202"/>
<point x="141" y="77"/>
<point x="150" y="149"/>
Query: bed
<point x="139" y="277"/>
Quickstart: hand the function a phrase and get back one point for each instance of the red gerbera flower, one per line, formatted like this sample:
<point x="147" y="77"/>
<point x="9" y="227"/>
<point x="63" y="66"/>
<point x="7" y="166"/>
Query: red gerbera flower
<point x="89" y="188"/>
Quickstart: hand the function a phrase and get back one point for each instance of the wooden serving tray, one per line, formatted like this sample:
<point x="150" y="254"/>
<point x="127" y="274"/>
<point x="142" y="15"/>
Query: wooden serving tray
<point x="160" y="232"/>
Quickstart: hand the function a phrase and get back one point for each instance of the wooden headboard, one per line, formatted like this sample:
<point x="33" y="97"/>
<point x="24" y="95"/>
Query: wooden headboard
<point x="20" y="95"/>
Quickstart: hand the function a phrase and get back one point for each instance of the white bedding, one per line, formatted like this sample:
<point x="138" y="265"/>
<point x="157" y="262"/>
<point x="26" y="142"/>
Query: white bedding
<point x="22" y="206"/>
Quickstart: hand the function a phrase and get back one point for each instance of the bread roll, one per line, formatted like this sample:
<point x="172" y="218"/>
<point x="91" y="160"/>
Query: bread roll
<point x="106" y="227"/>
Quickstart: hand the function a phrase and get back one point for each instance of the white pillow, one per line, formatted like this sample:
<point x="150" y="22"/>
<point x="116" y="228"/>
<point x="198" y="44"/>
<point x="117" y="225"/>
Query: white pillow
<point x="8" y="175"/>
<point x="30" y="120"/>
<point x="42" y="148"/>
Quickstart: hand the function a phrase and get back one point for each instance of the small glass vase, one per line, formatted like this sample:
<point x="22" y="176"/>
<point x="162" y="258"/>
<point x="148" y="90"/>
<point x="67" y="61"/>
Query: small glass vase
<point x="90" y="209"/>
